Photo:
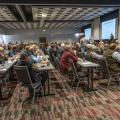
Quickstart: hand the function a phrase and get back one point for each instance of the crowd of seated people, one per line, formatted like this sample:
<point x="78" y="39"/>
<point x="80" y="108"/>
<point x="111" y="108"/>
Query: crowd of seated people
<point x="25" y="55"/>
<point x="12" y="50"/>
<point x="59" y="54"/>
<point x="99" y="51"/>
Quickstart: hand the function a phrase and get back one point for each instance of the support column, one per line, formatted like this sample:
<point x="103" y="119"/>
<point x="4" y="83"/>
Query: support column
<point x="96" y="28"/>
<point x="119" y="27"/>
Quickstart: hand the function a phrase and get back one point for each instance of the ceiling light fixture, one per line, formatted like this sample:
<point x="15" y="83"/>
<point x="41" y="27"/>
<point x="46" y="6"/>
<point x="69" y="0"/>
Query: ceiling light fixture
<point x="77" y="34"/>
<point x="80" y="8"/>
<point x="44" y="30"/>
<point x="44" y="15"/>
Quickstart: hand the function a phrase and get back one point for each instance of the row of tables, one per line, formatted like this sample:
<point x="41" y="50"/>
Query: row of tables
<point x="47" y="68"/>
<point x="6" y="67"/>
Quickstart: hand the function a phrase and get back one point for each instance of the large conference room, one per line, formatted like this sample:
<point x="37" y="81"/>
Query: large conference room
<point x="59" y="60"/>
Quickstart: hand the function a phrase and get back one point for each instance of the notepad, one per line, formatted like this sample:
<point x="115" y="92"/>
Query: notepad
<point x="9" y="61"/>
<point x="86" y="62"/>
<point x="2" y="69"/>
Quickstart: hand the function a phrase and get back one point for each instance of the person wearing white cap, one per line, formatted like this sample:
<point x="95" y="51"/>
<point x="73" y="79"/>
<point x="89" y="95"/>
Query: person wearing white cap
<point x="92" y="53"/>
<point x="62" y="45"/>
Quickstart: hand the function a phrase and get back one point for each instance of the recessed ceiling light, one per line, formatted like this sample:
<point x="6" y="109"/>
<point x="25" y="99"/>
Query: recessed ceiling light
<point x="44" y="15"/>
<point x="77" y="34"/>
<point x="80" y="8"/>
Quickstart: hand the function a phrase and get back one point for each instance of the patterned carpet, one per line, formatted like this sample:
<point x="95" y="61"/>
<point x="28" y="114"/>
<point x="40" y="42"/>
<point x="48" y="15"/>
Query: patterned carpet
<point x="67" y="104"/>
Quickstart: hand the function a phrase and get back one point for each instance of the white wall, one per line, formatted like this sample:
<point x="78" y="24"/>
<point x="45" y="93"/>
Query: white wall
<point x="1" y="38"/>
<point x="34" y="35"/>
<point x="35" y="38"/>
<point x="2" y="31"/>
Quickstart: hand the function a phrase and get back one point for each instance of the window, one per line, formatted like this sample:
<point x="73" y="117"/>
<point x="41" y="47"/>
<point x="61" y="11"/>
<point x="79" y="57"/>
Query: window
<point x="88" y="32"/>
<point x="109" y="27"/>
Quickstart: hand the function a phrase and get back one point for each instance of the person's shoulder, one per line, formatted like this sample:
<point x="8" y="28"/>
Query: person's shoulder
<point x="66" y="53"/>
<point x="116" y="53"/>
<point x="81" y="39"/>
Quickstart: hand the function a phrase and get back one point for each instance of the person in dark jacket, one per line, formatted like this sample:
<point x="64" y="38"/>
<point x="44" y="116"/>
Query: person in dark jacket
<point x="35" y="76"/>
<point x="112" y="63"/>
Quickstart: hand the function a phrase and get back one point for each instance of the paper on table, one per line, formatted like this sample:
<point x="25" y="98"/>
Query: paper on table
<point x="2" y="69"/>
<point x="86" y="62"/>
<point x="9" y="61"/>
<point x="39" y="65"/>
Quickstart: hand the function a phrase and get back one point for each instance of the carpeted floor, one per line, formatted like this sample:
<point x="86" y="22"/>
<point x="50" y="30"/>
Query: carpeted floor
<point x="67" y="104"/>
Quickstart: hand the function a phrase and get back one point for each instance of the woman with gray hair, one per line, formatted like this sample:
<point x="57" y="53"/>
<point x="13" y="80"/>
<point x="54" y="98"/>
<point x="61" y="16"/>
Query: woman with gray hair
<point x="68" y="54"/>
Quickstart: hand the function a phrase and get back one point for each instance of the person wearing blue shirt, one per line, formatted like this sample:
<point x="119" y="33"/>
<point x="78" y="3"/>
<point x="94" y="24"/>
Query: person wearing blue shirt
<point x="35" y="59"/>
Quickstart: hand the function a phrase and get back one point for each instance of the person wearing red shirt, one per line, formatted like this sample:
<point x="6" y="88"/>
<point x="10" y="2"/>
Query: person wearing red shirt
<point x="68" y="54"/>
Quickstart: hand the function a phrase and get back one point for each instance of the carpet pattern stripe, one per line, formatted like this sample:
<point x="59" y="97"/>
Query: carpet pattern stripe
<point x="67" y="104"/>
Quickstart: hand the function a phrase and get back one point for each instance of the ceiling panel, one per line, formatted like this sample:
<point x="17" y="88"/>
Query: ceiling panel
<point x="51" y="17"/>
<point x="6" y="15"/>
<point x="23" y="26"/>
<point x="67" y="13"/>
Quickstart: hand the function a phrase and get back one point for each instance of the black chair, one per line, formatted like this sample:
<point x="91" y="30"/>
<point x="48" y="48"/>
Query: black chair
<point x="106" y="72"/>
<point x="81" y="55"/>
<point x="77" y="75"/>
<point x="112" y="74"/>
<point x="4" y="78"/>
<point x="87" y="57"/>
<point x="24" y="79"/>
<point x="5" y="83"/>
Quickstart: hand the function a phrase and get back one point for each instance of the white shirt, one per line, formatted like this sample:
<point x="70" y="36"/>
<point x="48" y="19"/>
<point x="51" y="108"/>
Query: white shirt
<point x="116" y="56"/>
<point x="97" y="56"/>
<point x="83" y="42"/>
